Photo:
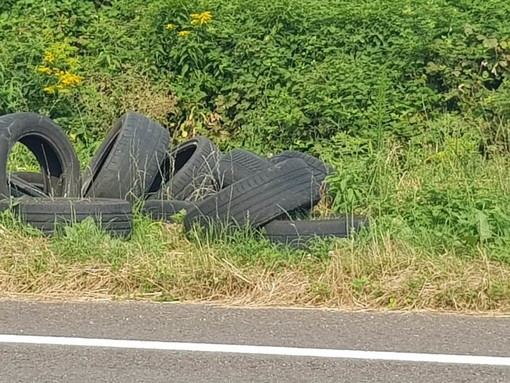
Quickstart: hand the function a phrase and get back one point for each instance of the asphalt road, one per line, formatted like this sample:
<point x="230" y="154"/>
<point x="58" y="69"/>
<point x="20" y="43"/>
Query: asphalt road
<point x="286" y="329"/>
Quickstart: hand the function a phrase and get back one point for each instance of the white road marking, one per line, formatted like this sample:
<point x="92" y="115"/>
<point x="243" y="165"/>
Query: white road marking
<point x="257" y="350"/>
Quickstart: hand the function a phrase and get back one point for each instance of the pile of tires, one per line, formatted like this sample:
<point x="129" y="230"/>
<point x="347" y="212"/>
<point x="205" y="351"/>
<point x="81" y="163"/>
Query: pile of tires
<point x="136" y="163"/>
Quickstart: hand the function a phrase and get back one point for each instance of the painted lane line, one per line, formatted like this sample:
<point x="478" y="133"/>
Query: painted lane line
<point x="258" y="350"/>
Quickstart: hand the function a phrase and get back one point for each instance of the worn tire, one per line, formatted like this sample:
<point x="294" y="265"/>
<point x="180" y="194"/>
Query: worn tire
<point x="164" y="210"/>
<point x="33" y="178"/>
<point x="37" y="180"/>
<point x="129" y="159"/>
<point x="20" y="187"/>
<point x="298" y="234"/>
<point x="258" y="199"/>
<point x="192" y="171"/>
<point x="112" y="215"/>
<point x="318" y="167"/>
<point x="50" y="146"/>
<point x="239" y="164"/>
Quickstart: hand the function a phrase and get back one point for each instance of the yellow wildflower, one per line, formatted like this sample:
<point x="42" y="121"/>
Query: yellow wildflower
<point x="183" y="33"/>
<point x="201" y="18"/>
<point x="44" y="70"/>
<point x="50" y="89"/>
<point x="170" y="26"/>
<point x="49" y="57"/>
<point x="69" y="79"/>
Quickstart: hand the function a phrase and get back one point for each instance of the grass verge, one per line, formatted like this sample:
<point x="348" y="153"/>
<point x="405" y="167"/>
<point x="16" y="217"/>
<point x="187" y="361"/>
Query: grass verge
<point x="439" y="240"/>
<point x="373" y="271"/>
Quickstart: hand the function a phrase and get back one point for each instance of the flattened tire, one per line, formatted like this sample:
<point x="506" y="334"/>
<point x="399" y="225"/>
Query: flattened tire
<point x="50" y="146"/>
<point x="20" y="187"/>
<point x="33" y="178"/>
<point x="239" y="164"/>
<point x="318" y="167"/>
<point x="257" y="200"/>
<point x="165" y="210"/>
<point x="129" y="159"/>
<point x="192" y="171"/>
<point x="112" y="215"/>
<point x="298" y="234"/>
<point x="37" y="180"/>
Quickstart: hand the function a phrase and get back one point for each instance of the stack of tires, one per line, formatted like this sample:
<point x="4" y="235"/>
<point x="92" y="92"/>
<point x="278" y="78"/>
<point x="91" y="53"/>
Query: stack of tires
<point x="135" y="163"/>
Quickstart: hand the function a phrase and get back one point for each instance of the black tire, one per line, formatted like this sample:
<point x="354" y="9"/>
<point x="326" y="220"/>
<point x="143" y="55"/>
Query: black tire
<point x="129" y="159"/>
<point x="37" y="180"/>
<point x="166" y="210"/>
<point x="192" y="171"/>
<point x="318" y="167"/>
<point x="50" y="146"/>
<point x="33" y="178"/>
<point x="112" y="215"/>
<point x="260" y="198"/>
<point x="239" y="164"/>
<point x="298" y="234"/>
<point x="20" y="187"/>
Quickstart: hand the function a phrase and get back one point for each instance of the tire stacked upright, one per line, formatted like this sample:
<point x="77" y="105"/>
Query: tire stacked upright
<point x="128" y="161"/>
<point x="54" y="197"/>
<point x="50" y="146"/>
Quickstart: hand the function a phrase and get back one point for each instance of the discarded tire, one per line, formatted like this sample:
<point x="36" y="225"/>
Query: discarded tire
<point x="298" y="234"/>
<point x="50" y="146"/>
<point x="166" y="210"/>
<point x="192" y="171"/>
<point x="35" y="179"/>
<point x="113" y="216"/>
<point x="239" y="164"/>
<point x="134" y="162"/>
<point x="260" y="198"/>
<point x="38" y="181"/>
<point x="318" y="167"/>
<point x="128" y="160"/>
<point x="19" y="188"/>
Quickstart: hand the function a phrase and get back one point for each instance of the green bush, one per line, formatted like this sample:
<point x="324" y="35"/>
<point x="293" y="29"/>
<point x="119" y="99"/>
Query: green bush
<point x="269" y="74"/>
<point x="438" y="193"/>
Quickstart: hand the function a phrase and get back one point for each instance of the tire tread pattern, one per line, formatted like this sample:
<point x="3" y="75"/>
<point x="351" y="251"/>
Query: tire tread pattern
<point x="298" y="234"/>
<point x="261" y="198"/>
<point x="112" y="215"/>
<point x="137" y="147"/>
<point x="239" y="164"/>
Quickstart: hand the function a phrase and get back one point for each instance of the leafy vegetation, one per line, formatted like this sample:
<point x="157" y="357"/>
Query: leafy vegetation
<point x="268" y="74"/>
<point x="408" y="99"/>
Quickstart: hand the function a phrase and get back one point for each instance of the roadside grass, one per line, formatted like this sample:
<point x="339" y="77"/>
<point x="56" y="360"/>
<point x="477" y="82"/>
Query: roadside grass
<point x="374" y="270"/>
<point x="439" y="239"/>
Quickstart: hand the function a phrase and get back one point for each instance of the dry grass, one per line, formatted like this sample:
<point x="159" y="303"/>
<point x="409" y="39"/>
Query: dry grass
<point x="380" y="274"/>
<point x="129" y="92"/>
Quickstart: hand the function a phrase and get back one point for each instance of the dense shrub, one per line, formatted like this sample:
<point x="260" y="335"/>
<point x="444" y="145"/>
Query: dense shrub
<point x="267" y="73"/>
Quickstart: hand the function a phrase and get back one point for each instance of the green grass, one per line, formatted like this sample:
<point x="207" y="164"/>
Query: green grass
<point x="371" y="271"/>
<point x="22" y="160"/>
<point x="439" y="238"/>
